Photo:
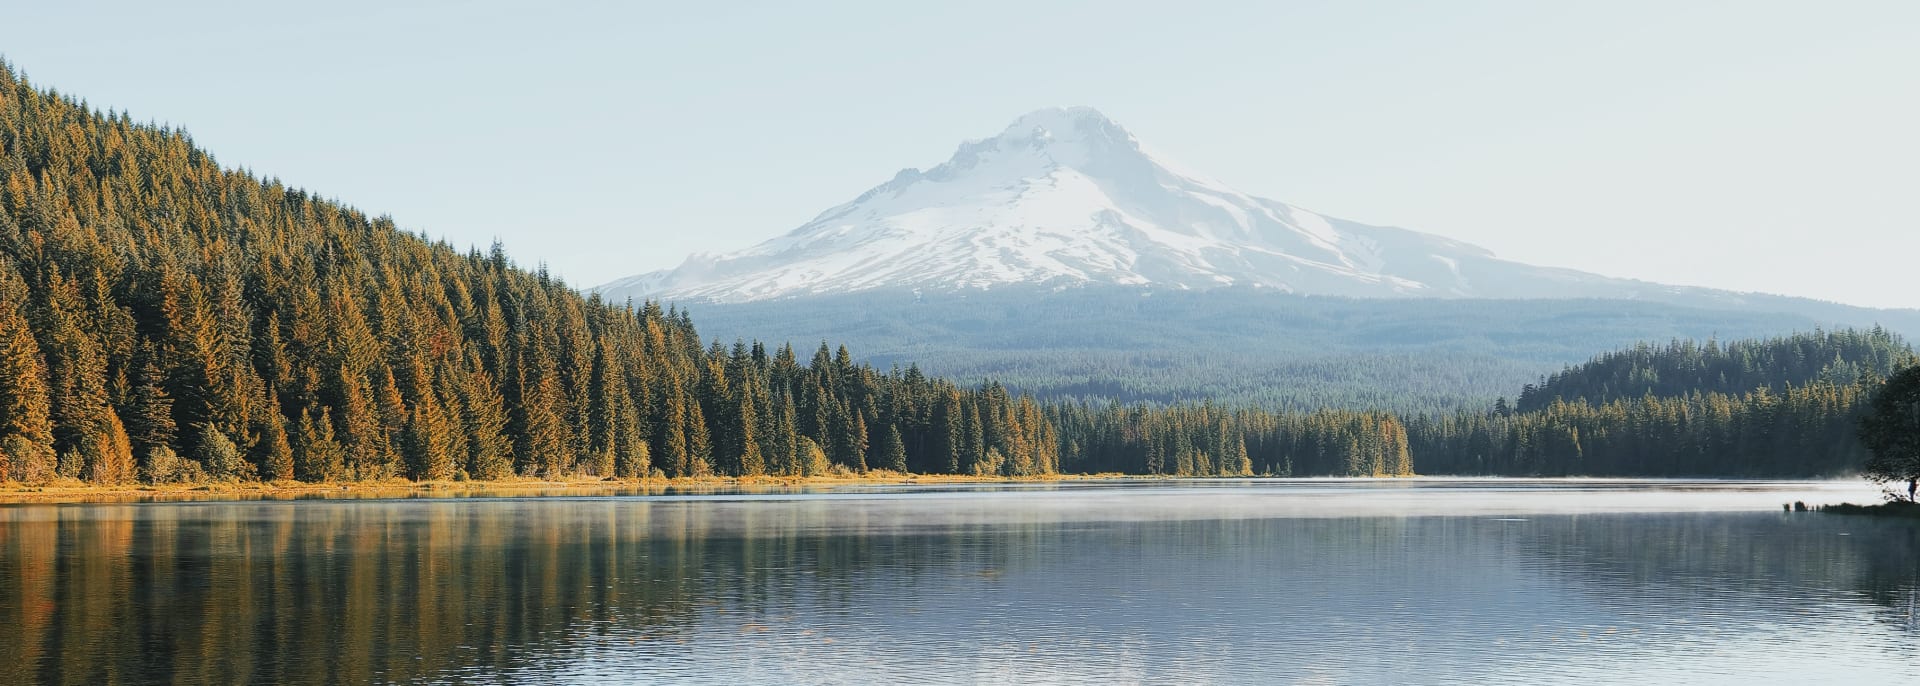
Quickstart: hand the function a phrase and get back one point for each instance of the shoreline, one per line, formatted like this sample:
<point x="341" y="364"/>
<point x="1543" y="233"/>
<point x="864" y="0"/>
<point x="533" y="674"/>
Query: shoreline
<point x="80" y="493"/>
<point x="76" y="492"/>
<point x="1900" y="509"/>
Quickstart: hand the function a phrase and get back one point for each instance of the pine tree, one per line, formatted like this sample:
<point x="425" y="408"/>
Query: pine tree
<point x="489" y="451"/>
<point x="543" y="441"/>
<point x="78" y="370"/>
<point x="751" y="461"/>
<point x="972" y="441"/>
<point x="607" y="400"/>
<point x="26" y="424"/>
<point x="947" y="439"/>
<point x="392" y="412"/>
<point x="274" y="452"/>
<point x="699" y="448"/>
<point x="429" y="437"/>
<point x="855" y="442"/>
<point x="317" y="455"/>
<point x="109" y="454"/>
<point x="893" y="450"/>
<point x="362" y="442"/>
<point x="632" y="457"/>
<point x="783" y="448"/>
<point x="672" y="435"/>
<point x="150" y="418"/>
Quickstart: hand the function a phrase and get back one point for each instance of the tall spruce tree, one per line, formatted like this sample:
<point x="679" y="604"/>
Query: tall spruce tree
<point x="26" y="422"/>
<point x="893" y="450"/>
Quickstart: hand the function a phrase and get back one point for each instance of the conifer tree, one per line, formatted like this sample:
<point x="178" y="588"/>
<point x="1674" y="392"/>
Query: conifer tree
<point x="893" y="450"/>
<point x="362" y="442"/>
<point x="947" y="441"/>
<point x="489" y="451"/>
<point x="428" y="431"/>
<point x="78" y="370"/>
<point x="855" y="441"/>
<point x="26" y="424"/>
<point x="274" y="451"/>
<point x="973" y="441"/>
<point x="150" y="419"/>
<point x="751" y="461"/>
<point x="675" y="455"/>
<point x="783" y="448"/>
<point x="543" y="432"/>
<point x="699" y="447"/>
<point x="632" y="457"/>
<point x="607" y="400"/>
<point x="110" y="454"/>
<point x="317" y="455"/>
<point x="392" y="412"/>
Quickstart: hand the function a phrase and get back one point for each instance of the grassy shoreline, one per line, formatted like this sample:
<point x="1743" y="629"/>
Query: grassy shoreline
<point x="70" y="491"/>
<point x="77" y="492"/>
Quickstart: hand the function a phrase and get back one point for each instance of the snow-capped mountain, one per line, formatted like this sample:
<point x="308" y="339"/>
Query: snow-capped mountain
<point x="1068" y="197"/>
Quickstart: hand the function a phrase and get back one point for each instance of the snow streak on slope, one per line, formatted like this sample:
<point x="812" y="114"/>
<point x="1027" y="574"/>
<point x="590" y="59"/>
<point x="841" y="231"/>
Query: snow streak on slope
<point x="1068" y="197"/>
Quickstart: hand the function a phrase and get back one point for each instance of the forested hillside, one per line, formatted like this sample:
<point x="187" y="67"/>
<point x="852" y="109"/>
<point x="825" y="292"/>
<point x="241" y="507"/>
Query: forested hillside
<point x="163" y="319"/>
<point x="1683" y="367"/>
<point x="1785" y="406"/>
<point x="1802" y="431"/>
<point x="1245" y="347"/>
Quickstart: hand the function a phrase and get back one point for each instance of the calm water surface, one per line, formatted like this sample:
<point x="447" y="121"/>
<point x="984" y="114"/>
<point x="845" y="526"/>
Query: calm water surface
<point x="1194" y="582"/>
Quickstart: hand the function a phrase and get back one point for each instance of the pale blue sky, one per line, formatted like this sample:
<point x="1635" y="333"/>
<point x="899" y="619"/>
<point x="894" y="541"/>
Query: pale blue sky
<point x="1746" y="145"/>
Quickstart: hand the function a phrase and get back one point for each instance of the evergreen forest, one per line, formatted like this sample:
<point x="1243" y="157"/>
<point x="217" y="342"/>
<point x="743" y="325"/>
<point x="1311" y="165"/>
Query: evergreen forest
<point x="1256" y="348"/>
<point x="1786" y="406"/>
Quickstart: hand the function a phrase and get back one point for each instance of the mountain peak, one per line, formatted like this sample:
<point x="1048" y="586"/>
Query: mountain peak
<point x="1076" y="137"/>
<point x="1061" y="122"/>
<point x="1065" y="195"/>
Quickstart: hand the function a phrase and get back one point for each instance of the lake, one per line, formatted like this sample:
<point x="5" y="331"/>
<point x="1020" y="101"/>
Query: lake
<point x="1259" y="581"/>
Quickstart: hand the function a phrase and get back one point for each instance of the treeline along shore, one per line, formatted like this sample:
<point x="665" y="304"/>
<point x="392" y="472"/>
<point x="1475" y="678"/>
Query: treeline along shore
<point x="165" y="320"/>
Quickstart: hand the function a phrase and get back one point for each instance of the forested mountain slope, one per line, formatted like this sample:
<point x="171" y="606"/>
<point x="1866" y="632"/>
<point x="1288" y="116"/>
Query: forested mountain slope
<point x="1787" y="406"/>
<point x="1684" y="367"/>
<point x="1241" y="346"/>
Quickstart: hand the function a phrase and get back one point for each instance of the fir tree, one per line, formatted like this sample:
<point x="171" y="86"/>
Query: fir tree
<point x="317" y="455"/>
<point x="26" y="424"/>
<point x="150" y="419"/>
<point x="489" y="451"/>
<point x="429" y="438"/>
<point x="274" y="452"/>
<point x="893" y="450"/>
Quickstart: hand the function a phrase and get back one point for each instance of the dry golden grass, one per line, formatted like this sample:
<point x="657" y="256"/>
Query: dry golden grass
<point x="74" y="491"/>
